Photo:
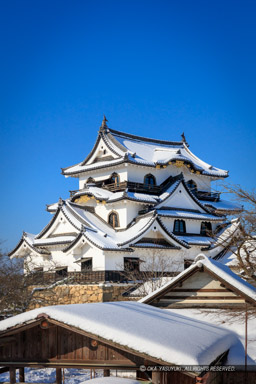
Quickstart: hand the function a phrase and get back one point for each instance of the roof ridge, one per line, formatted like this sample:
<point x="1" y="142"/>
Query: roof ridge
<point x="141" y="138"/>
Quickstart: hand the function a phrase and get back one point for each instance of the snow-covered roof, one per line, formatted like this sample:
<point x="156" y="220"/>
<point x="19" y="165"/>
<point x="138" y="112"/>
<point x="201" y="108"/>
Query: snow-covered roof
<point x="188" y="214"/>
<point x="53" y="240"/>
<point x="137" y="150"/>
<point x="197" y="240"/>
<point x="223" y="206"/>
<point x="27" y="242"/>
<point x="103" y="194"/>
<point x="159" y="334"/>
<point x="219" y="270"/>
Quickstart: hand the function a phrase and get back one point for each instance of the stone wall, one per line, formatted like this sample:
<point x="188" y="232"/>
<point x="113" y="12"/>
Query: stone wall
<point x="77" y="294"/>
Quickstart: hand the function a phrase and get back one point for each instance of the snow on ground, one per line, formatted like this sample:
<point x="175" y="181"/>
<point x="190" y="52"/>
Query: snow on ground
<point x="48" y="375"/>
<point x="228" y="321"/>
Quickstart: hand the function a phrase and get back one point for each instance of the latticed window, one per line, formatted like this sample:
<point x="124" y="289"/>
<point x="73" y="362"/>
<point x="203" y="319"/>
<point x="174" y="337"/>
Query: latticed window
<point x="149" y="180"/>
<point x="113" y="219"/>
<point x="192" y="186"/>
<point x="179" y="226"/>
<point x="206" y="228"/>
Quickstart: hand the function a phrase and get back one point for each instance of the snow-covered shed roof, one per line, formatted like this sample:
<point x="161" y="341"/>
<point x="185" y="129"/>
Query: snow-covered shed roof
<point x="127" y="148"/>
<point x="220" y="271"/>
<point x="161" y="335"/>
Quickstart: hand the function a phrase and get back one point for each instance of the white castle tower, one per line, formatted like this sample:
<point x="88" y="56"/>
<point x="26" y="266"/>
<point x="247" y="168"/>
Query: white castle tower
<point x="137" y="198"/>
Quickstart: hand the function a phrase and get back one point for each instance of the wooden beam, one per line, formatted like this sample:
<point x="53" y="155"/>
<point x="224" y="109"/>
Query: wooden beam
<point x="22" y="375"/>
<point x="12" y="375"/>
<point x="58" y="376"/>
<point x="20" y="328"/>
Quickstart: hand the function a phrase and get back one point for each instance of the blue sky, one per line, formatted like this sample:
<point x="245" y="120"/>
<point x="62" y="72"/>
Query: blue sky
<point x="154" y="68"/>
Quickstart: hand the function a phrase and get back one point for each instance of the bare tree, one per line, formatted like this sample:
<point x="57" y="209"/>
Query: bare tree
<point x="19" y="291"/>
<point x="243" y="245"/>
<point x="151" y="272"/>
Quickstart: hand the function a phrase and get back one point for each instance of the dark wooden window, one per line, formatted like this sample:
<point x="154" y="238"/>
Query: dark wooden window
<point x="113" y="219"/>
<point x="63" y="272"/>
<point x="86" y="265"/>
<point x="131" y="264"/>
<point x="90" y="180"/>
<point x="192" y="186"/>
<point x="206" y="228"/>
<point x="179" y="227"/>
<point x="149" y="180"/>
<point x="115" y="179"/>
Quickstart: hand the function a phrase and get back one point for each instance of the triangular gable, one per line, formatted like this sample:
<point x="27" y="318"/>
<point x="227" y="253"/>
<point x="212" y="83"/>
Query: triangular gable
<point x="101" y="151"/>
<point x="59" y="224"/>
<point x="203" y="284"/>
<point x="182" y="197"/>
<point x="24" y="248"/>
<point x="159" y="229"/>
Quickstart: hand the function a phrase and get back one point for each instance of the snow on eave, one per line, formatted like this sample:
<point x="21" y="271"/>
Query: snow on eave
<point x="220" y="271"/>
<point x="159" y="335"/>
<point x="183" y="214"/>
<point x="204" y="164"/>
<point x="226" y="275"/>
<point x="30" y="244"/>
<point x="224" y="238"/>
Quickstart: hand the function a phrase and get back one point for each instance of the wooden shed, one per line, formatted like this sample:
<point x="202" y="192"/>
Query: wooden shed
<point x="205" y="284"/>
<point x="111" y="336"/>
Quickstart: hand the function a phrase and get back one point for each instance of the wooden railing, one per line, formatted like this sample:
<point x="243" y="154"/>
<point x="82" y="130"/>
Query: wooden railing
<point x="85" y="277"/>
<point x="150" y="189"/>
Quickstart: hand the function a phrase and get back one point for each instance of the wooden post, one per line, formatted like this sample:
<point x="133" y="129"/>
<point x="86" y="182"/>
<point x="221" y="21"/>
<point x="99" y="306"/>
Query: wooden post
<point x="22" y="375"/>
<point x="156" y="377"/>
<point x="12" y="375"/>
<point x="106" y="372"/>
<point x="58" y="376"/>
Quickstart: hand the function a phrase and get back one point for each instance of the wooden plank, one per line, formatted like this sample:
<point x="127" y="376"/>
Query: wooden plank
<point x="7" y="340"/>
<point x="207" y="298"/>
<point x="108" y="342"/>
<point x="78" y="347"/>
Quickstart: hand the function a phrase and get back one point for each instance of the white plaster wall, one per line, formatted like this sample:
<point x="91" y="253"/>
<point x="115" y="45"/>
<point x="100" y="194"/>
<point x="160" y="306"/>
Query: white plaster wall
<point x="61" y="226"/>
<point x="173" y="260"/>
<point x="127" y="211"/>
<point x="181" y="199"/>
<point x="137" y="174"/>
<point x="192" y="226"/>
